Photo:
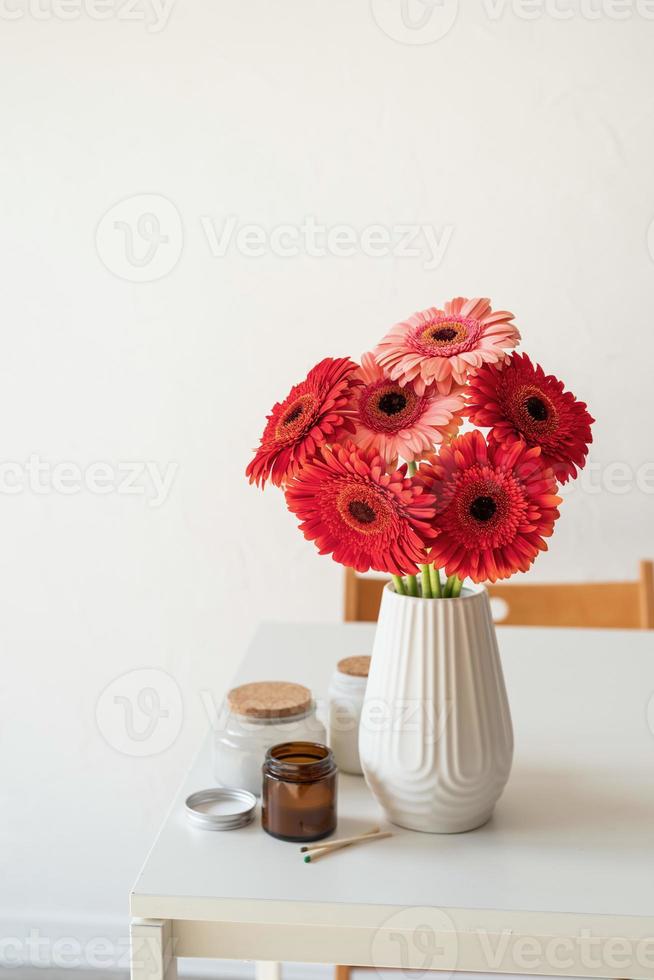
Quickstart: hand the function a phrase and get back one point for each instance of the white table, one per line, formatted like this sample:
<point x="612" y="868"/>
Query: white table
<point x="559" y="882"/>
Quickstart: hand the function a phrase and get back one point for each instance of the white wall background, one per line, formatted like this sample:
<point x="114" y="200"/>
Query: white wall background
<point x="528" y="138"/>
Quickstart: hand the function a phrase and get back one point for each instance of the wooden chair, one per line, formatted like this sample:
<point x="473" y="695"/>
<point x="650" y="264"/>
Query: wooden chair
<point x="599" y="605"/>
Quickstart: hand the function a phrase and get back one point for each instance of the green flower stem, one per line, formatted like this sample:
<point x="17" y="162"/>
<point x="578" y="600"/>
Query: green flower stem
<point x="457" y="586"/>
<point x="426" y="583"/>
<point x="411" y="580"/>
<point x="435" y="579"/>
<point x="449" y="585"/>
<point x="399" y="585"/>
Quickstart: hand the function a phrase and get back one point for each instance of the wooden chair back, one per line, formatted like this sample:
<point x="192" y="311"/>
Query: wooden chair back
<point x="615" y="605"/>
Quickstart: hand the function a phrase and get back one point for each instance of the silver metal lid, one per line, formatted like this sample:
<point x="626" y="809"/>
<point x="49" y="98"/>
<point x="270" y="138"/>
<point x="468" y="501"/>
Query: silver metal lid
<point x="221" y="808"/>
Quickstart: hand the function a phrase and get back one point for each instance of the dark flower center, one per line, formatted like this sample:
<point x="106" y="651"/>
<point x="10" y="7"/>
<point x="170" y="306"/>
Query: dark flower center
<point x="483" y="508"/>
<point x="361" y="511"/>
<point x="294" y="413"/>
<point x="392" y="402"/>
<point x="444" y="333"/>
<point x="536" y="408"/>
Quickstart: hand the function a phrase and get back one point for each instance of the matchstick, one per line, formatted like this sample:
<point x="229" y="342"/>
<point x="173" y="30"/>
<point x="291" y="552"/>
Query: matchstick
<point x="322" y="852"/>
<point x="339" y="840"/>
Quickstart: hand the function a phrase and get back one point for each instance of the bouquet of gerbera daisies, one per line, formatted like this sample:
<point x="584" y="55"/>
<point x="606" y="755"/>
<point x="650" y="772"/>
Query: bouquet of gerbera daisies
<point x="371" y="462"/>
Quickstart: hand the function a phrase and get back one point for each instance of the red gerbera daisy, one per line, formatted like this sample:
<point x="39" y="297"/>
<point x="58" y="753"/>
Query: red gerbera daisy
<point x="494" y="507"/>
<point x="519" y="401"/>
<point x="316" y="411"/>
<point x="360" y="514"/>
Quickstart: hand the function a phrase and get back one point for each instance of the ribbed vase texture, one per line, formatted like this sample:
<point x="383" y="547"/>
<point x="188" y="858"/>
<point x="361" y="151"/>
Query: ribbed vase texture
<point x="436" y="741"/>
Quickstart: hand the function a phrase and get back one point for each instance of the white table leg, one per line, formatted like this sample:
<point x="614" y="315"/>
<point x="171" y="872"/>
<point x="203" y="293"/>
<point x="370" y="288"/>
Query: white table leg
<point x="152" y="953"/>
<point x="268" y="970"/>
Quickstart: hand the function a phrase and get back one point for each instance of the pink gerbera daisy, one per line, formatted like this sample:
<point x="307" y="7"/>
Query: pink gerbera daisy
<point x="442" y="346"/>
<point x="396" y="421"/>
<point x="494" y="507"/>
<point x="317" y="410"/>
<point x="519" y="401"/>
<point x="360" y="514"/>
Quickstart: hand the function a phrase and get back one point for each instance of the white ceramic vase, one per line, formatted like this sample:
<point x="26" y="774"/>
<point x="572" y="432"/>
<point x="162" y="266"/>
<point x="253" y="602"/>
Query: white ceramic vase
<point x="435" y="740"/>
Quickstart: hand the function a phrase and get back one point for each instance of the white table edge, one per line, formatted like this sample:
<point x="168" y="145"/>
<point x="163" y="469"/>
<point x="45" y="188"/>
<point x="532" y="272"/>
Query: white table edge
<point x="320" y="932"/>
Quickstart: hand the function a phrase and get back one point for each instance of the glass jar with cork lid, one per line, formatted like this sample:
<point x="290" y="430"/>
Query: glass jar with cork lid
<point x="346" y="694"/>
<point x="253" y="718"/>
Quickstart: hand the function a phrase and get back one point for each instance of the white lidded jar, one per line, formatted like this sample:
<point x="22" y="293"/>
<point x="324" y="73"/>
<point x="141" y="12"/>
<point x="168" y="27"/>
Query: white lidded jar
<point x="255" y="717"/>
<point x="346" y="694"/>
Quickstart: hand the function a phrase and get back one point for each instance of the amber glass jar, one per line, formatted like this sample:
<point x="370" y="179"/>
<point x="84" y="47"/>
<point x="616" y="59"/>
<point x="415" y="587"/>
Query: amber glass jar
<point x="299" y="791"/>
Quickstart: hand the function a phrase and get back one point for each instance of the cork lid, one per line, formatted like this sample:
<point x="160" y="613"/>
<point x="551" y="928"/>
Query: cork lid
<point x="269" y="699"/>
<point x="354" y="666"/>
